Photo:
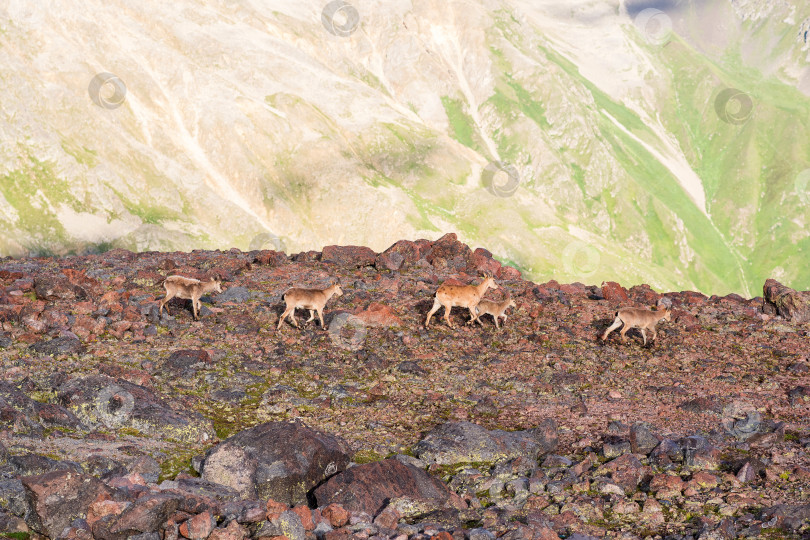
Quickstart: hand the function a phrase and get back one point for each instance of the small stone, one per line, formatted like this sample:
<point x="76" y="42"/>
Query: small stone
<point x="275" y="509"/>
<point x="305" y="514"/>
<point x="336" y="514"/>
<point x="705" y="480"/>
<point x="199" y="527"/>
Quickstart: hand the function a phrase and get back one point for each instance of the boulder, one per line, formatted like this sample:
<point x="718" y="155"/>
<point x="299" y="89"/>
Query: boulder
<point x="349" y="256"/>
<point x="613" y="292"/>
<point x="103" y="401"/>
<point x="12" y="524"/>
<point x="448" y="254"/>
<point x="788" y="516"/>
<point x="368" y="487"/>
<point x="465" y="442"/>
<point x="57" y="288"/>
<point x="799" y="395"/>
<point x="377" y="314"/>
<point x="57" y="498"/>
<point x="60" y="346"/>
<point x="236" y="295"/>
<point x="642" y="438"/>
<point x="785" y="302"/>
<point x="277" y="460"/>
<point x="403" y="253"/>
<point x="146" y="515"/>
<point x="186" y="362"/>
<point x="28" y="415"/>
<point x="12" y="497"/>
<point x="483" y="262"/>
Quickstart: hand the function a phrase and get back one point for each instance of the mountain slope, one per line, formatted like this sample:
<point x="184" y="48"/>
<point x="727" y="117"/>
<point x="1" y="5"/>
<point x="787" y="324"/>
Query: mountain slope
<point x="249" y="124"/>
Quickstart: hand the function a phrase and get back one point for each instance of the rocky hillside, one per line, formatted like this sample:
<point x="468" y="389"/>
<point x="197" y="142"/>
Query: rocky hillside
<point x="117" y="421"/>
<point x="633" y="141"/>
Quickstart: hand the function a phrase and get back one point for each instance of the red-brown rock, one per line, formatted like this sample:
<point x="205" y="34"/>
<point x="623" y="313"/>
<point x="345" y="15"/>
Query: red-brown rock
<point x="785" y="302"/>
<point x="57" y="498"/>
<point x="199" y="527"/>
<point x="379" y="315"/>
<point x="613" y="292"/>
<point x="336" y="514"/>
<point x="349" y="256"/>
<point x="368" y="487"/>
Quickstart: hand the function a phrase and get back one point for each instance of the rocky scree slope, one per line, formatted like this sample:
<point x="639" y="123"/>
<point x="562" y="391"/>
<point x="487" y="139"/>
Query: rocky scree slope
<point x="117" y="422"/>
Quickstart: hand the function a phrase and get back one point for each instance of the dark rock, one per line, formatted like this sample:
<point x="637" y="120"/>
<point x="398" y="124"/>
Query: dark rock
<point x="666" y="453"/>
<point x="269" y="257"/>
<point x="699" y="453"/>
<point x="103" y="467"/>
<point x="788" y="516"/>
<point x="403" y="253"/>
<point x="411" y="367"/>
<point x="460" y="442"/>
<point x="12" y="497"/>
<point x="277" y="460"/>
<point x="615" y="447"/>
<point x="369" y="487"/>
<point x="146" y="515"/>
<point x="702" y="405"/>
<point x="60" y="346"/>
<point x="99" y="400"/>
<point x="57" y="498"/>
<point x="5" y="341"/>
<point x="627" y="472"/>
<point x="237" y="295"/>
<point x="799" y="395"/>
<point x="349" y="256"/>
<point x="244" y="511"/>
<point x="206" y="495"/>
<point x="799" y="368"/>
<point x="10" y="523"/>
<point x="21" y="410"/>
<point x="785" y="302"/>
<point x="447" y="253"/>
<point x="57" y="288"/>
<point x="34" y="464"/>
<point x="642" y="438"/>
<point x="185" y="362"/>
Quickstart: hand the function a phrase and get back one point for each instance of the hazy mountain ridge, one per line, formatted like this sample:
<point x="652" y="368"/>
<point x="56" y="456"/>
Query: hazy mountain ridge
<point x="249" y="123"/>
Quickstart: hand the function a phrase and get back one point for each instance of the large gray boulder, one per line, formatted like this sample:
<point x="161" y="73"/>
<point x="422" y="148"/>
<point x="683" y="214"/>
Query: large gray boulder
<point x="465" y="442"/>
<point x="277" y="460"/>
<point x="99" y="400"/>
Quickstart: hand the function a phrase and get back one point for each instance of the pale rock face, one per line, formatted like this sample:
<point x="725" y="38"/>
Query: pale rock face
<point x="229" y="120"/>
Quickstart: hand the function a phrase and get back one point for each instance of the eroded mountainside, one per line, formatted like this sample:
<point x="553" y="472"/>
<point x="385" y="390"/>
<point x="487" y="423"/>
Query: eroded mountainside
<point x="664" y="146"/>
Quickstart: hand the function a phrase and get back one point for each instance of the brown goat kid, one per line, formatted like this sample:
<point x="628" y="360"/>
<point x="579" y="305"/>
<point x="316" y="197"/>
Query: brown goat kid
<point x="189" y="289"/>
<point x="311" y="299"/>
<point x="640" y="318"/>
<point x="465" y="296"/>
<point x="496" y="309"/>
